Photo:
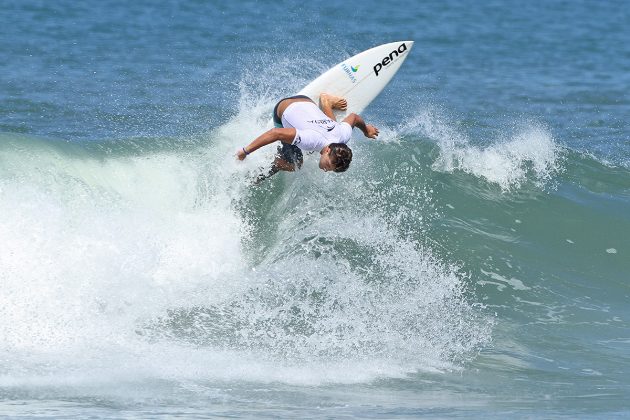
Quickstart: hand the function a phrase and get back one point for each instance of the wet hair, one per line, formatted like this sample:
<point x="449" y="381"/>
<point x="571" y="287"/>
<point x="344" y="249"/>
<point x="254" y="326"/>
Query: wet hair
<point x="341" y="156"/>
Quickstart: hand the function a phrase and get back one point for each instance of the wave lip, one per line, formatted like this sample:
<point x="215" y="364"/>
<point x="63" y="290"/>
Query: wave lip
<point x="530" y="155"/>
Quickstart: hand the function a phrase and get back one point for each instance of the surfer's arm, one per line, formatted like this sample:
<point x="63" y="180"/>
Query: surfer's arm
<point x="355" y="120"/>
<point x="285" y="135"/>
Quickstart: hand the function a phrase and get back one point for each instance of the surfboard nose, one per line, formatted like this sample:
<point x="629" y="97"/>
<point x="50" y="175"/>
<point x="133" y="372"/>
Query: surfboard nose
<point x="360" y="78"/>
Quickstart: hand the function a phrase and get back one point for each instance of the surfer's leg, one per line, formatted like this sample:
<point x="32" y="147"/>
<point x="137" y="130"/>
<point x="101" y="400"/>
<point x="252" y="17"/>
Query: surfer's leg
<point x="262" y="176"/>
<point x="289" y="158"/>
<point x="329" y="102"/>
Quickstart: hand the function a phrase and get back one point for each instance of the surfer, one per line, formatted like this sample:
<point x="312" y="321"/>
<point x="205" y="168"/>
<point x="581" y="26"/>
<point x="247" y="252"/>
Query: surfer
<point x="301" y="125"/>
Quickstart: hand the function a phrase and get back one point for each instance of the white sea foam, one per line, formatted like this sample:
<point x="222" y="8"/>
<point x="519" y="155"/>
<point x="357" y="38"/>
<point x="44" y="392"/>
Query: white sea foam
<point x="132" y="267"/>
<point x="531" y="154"/>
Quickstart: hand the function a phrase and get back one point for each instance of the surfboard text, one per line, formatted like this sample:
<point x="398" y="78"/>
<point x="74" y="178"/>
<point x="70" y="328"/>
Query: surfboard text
<point x="389" y="58"/>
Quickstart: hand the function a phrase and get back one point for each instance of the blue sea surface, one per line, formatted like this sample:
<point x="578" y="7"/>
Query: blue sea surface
<point x="474" y="261"/>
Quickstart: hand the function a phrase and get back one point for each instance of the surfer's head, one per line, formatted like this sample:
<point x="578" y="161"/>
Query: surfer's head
<point x="335" y="157"/>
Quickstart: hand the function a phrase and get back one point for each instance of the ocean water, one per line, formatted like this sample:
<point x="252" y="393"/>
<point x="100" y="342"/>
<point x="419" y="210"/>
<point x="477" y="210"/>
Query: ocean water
<point x="473" y="262"/>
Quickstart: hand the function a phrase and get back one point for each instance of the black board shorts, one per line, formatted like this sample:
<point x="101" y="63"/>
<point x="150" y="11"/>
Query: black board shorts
<point x="290" y="153"/>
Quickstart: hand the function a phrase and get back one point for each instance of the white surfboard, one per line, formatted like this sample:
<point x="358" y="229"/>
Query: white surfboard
<point x="362" y="77"/>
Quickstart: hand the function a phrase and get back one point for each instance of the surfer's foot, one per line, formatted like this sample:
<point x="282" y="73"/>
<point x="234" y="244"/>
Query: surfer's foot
<point x="332" y="101"/>
<point x="262" y="175"/>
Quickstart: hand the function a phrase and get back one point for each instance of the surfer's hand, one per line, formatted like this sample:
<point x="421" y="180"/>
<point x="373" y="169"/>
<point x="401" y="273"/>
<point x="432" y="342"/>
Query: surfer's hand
<point x="371" y="131"/>
<point x="240" y="154"/>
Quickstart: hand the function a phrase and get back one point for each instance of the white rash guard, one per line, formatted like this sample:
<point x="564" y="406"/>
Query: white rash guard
<point x="314" y="130"/>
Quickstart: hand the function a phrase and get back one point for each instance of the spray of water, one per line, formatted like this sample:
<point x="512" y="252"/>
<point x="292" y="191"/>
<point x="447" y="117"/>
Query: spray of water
<point x="169" y="265"/>
<point x="530" y="154"/>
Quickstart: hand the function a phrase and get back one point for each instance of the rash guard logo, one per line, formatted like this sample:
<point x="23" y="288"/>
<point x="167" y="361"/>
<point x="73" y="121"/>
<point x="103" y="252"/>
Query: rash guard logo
<point x="321" y="122"/>
<point x="355" y="69"/>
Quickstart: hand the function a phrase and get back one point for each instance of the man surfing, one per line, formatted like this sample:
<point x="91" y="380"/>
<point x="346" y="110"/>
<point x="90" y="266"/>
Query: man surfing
<point x="301" y="125"/>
